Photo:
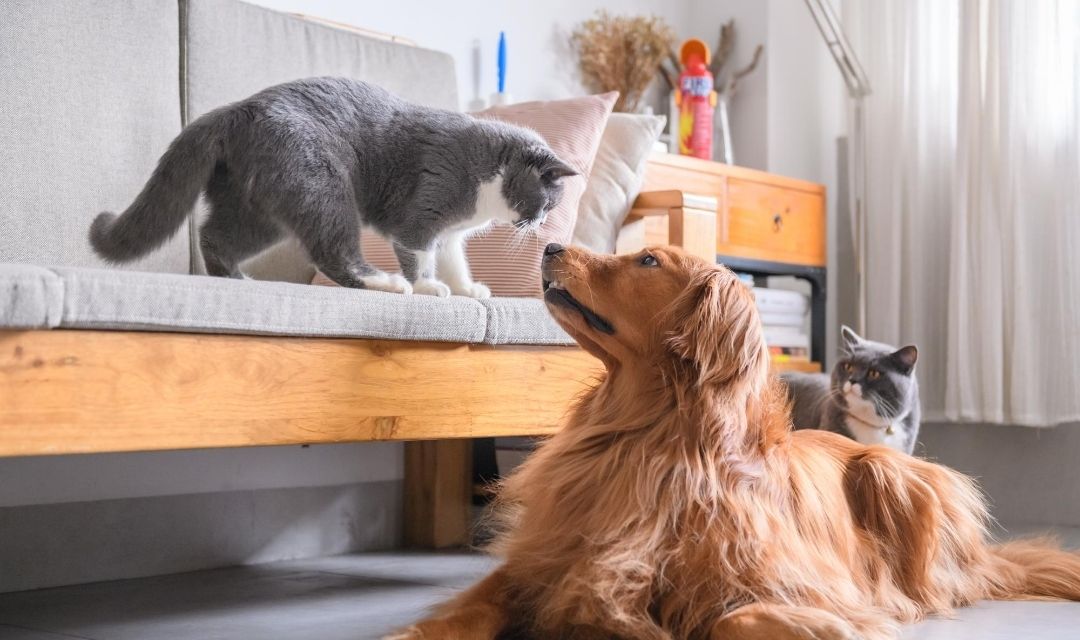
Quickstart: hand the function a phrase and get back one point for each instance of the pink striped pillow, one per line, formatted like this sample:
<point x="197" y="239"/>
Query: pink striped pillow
<point x="573" y="129"/>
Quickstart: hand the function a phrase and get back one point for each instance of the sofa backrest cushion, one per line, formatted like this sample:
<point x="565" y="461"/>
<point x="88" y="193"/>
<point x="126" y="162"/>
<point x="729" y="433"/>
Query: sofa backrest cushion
<point x="88" y="102"/>
<point x="233" y="49"/>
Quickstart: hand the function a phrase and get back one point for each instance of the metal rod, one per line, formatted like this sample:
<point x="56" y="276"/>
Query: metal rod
<point x="837" y="43"/>
<point x="858" y="87"/>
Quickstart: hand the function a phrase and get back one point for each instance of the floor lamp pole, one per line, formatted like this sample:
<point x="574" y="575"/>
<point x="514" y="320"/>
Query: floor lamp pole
<point x="857" y="186"/>
<point x="858" y="87"/>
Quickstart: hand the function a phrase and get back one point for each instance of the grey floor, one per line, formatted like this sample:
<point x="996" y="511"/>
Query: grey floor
<point x="357" y="597"/>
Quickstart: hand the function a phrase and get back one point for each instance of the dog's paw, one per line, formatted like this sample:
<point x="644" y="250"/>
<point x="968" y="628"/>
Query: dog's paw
<point x="390" y="282"/>
<point x="473" y="290"/>
<point x="429" y="287"/>
<point x="816" y="626"/>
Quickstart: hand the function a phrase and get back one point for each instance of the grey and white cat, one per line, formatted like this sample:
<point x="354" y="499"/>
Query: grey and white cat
<point x="872" y="396"/>
<point x="323" y="157"/>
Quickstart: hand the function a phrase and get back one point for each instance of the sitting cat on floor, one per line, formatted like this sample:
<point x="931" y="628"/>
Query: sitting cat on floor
<point x="323" y="157"/>
<point x="872" y="397"/>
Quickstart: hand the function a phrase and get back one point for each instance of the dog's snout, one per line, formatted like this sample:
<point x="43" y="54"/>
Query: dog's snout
<point x="554" y="249"/>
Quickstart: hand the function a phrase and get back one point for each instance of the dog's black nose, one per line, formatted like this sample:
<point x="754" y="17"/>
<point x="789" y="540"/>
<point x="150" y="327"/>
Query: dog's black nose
<point x="553" y="249"/>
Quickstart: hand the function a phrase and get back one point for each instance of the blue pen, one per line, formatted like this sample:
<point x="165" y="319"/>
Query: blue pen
<point x="502" y="62"/>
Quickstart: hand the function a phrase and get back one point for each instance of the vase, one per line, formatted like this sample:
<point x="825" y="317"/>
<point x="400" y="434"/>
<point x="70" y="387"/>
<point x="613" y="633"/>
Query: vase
<point x="722" y="150"/>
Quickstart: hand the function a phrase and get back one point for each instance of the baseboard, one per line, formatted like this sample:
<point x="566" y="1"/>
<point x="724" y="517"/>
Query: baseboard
<point x="78" y="542"/>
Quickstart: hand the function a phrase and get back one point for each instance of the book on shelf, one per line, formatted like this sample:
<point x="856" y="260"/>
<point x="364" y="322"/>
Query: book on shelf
<point x="789" y="354"/>
<point x="790" y="337"/>
<point x="780" y="301"/>
<point x="781" y="319"/>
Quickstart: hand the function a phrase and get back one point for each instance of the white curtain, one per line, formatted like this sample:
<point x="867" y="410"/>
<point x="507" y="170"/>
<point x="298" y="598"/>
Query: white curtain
<point x="973" y="200"/>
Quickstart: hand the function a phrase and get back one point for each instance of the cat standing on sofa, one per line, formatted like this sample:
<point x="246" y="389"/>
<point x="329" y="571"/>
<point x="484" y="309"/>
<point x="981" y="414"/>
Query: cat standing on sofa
<point x="323" y="157"/>
<point x="872" y="396"/>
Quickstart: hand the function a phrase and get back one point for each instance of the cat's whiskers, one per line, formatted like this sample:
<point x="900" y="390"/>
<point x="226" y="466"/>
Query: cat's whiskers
<point x="518" y="237"/>
<point x="885" y="408"/>
<point x="833" y="394"/>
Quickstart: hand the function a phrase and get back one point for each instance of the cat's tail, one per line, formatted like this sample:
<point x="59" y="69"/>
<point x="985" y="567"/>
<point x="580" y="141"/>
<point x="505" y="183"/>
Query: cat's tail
<point x="1038" y="568"/>
<point x="168" y="198"/>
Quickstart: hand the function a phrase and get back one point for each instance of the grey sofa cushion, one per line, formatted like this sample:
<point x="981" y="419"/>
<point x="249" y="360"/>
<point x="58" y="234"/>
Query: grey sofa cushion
<point x="233" y="49"/>
<point x="521" y="321"/>
<point x="88" y="103"/>
<point x="108" y="299"/>
<point x="30" y="297"/>
<point x="76" y="298"/>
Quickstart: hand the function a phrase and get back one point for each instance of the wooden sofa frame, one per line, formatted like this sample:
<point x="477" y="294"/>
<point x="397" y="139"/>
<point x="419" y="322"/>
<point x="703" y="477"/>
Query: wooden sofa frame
<point x="76" y="391"/>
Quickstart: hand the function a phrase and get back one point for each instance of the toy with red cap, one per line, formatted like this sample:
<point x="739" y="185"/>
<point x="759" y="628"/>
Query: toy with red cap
<point x="696" y="100"/>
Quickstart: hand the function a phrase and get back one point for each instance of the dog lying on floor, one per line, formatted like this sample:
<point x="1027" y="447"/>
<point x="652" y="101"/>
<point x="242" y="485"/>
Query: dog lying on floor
<point x="677" y="503"/>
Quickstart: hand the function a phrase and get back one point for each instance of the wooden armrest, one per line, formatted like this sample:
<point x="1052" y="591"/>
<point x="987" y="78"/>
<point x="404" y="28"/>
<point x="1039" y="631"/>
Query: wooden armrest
<point x="671" y="216"/>
<point x="656" y="200"/>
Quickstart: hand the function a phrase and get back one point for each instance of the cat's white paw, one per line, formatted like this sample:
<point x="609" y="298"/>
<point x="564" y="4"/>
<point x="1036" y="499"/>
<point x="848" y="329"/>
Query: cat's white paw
<point x="391" y="282"/>
<point x="429" y="287"/>
<point x="473" y="290"/>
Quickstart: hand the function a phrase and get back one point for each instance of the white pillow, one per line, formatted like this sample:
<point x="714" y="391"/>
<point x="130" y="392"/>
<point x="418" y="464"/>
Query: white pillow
<point x="615" y="179"/>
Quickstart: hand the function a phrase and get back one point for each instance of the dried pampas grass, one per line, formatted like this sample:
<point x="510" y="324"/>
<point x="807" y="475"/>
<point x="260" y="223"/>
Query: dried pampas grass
<point x="621" y="53"/>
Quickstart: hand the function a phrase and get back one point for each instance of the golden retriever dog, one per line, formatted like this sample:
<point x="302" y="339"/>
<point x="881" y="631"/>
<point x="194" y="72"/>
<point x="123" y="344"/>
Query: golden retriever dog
<point x="677" y="502"/>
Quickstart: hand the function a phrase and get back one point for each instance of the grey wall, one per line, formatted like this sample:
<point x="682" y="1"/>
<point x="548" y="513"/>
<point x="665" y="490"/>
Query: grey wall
<point x="71" y="519"/>
<point x="59" y="479"/>
<point x="539" y="67"/>
<point x="74" y="542"/>
<point x="1031" y="475"/>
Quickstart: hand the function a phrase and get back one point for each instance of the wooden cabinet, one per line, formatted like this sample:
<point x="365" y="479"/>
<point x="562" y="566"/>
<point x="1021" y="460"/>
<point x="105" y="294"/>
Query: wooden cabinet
<point x="760" y="216"/>
<point x="767" y="222"/>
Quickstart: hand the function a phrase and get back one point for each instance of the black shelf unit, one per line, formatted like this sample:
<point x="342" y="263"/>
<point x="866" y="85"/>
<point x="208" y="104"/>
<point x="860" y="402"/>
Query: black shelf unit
<point x="816" y="276"/>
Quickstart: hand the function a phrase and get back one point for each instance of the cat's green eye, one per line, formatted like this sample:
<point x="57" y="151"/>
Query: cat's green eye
<point x="873" y="374"/>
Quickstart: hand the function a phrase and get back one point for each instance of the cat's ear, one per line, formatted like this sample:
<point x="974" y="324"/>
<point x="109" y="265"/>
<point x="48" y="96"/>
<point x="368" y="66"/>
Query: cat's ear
<point x="905" y="358"/>
<point x="554" y="169"/>
<point x="851" y="339"/>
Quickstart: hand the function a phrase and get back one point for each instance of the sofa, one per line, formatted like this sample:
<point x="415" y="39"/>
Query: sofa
<point x="156" y="356"/>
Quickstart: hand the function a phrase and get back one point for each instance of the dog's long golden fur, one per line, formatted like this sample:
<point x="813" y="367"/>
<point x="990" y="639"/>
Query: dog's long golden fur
<point x="677" y="503"/>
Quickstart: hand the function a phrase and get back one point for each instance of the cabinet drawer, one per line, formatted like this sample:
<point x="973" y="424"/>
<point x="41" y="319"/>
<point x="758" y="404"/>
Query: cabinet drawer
<point x="768" y="222"/>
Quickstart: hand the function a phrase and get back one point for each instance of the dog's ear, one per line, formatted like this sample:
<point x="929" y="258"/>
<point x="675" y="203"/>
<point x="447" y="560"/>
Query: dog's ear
<point x="715" y="329"/>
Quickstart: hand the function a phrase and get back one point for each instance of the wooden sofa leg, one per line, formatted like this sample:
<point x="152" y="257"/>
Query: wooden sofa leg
<point x="438" y="493"/>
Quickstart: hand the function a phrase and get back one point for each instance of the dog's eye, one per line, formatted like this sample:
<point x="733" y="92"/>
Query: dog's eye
<point x="648" y="260"/>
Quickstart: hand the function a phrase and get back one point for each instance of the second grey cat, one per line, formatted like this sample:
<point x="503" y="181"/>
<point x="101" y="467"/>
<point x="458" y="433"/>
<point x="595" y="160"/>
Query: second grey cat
<point x="872" y="395"/>
<point x="321" y="158"/>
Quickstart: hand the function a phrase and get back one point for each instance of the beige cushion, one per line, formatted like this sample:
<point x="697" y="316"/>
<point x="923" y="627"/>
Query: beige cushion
<point x="234" y="49"/>
<point x="88" y="102"/>
<point x="33" y="297"/>
<point x="511" y="267"/>
<point x="110" y="299"/>
<point x="616" y="179"/>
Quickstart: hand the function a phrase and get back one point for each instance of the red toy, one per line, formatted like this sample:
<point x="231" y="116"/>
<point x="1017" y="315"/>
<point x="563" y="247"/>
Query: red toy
<point x="696" y="100"/>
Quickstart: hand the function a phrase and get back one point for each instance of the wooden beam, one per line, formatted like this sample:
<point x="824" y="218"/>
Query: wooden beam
<point x="657" y="202"/>
<point x="97" y="391"/>
<point x="438" y="493"/>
